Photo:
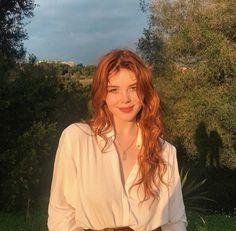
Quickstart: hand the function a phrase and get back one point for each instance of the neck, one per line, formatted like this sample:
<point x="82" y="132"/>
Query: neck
<point x="124" y="129"/>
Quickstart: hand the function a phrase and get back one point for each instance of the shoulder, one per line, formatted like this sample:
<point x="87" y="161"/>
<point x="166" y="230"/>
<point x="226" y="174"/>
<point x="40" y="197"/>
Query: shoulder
<point x="77" y="130"/>
<point x="168" y="151"/>
<point x="167" y="147"/>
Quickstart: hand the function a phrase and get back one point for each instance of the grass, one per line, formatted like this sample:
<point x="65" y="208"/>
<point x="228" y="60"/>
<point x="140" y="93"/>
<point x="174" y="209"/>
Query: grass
<point x="38" y="219"/>
<point x="216" y="222"/>
<point x="18" y="222"/>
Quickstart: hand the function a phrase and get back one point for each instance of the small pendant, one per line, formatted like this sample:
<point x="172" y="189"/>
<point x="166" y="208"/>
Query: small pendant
<point x="124" y="155"/>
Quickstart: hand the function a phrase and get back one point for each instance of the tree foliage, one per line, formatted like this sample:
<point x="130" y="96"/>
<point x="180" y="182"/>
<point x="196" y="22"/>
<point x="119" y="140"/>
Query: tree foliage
<point x="197" y="34"/>
<point x="12" y="33"/>
<point x="37" y="103"/>
<point x="198" y="46"/>
<point x="151" y="47"/>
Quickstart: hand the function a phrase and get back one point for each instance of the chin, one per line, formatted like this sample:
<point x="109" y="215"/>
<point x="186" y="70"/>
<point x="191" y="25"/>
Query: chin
<point x="127" y="118"/>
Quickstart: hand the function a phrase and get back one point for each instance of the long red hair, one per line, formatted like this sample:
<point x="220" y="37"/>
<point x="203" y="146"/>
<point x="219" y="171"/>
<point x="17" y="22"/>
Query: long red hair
<point x="151" y="164"/>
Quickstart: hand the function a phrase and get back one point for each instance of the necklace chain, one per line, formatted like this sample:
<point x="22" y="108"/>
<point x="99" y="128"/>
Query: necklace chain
<point x="124" y="152"/>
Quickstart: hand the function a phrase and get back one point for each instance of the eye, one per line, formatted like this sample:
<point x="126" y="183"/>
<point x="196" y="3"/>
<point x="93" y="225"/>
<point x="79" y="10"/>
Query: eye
<point x="133" y="88"/>
<point x="113" y="90"/>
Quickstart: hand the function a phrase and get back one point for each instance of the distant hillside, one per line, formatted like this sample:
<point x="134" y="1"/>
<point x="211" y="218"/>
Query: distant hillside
<point x="69" y="63"/>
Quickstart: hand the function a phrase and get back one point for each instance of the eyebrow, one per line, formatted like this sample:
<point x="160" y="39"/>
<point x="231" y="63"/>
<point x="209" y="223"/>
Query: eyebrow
<point x="131" y="85"/>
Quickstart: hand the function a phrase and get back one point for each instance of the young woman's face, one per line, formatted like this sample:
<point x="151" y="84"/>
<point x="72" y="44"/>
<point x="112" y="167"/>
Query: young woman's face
<point x="122" y="99"/>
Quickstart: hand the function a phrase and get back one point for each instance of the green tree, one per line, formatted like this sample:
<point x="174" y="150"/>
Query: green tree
<point x="197" y="34"/>
<point x="151" y="47"/>
<point x="13" y="14"/>
<point x="22" y="166"/>
<point x="12" y="33"/>
<point x="88" y="70"/>
<point x="198" y="46"/>
<point x="36" y="105"/>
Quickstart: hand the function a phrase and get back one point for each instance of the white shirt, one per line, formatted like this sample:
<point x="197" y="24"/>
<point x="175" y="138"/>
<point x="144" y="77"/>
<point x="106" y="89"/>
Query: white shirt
<point x="88" y="191"/>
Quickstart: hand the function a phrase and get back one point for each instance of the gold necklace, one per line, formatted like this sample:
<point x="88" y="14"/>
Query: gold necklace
<point x="124" y="152"/>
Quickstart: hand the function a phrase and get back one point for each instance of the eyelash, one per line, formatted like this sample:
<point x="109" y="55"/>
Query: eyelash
<point x="116" y="90"/>
<point x="113" y="90"/>
<point x="134" y="88"/>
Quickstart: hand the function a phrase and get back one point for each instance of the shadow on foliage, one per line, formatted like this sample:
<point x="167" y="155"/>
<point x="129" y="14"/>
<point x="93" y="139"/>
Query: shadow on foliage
<point x="208" y="146"/>
<point x="220" y="184"/>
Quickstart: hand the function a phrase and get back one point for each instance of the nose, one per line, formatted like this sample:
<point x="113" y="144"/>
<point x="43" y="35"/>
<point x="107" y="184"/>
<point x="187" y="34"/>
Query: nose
<point x="125" y="97"/>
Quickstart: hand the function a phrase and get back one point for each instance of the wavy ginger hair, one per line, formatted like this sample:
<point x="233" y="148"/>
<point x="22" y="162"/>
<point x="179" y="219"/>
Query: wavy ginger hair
<point x="152" y="166"/>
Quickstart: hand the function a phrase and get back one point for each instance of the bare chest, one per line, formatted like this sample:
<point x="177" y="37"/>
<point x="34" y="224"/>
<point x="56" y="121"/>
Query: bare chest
<point x="127" y="160"/>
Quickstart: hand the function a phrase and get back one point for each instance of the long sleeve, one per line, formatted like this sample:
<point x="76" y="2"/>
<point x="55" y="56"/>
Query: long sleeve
<point x="61" y="208"/>
<point x="176" y="209"/>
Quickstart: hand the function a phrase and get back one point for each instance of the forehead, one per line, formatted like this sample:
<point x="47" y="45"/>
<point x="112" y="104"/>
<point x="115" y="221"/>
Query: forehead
<point x="121" y="77"/>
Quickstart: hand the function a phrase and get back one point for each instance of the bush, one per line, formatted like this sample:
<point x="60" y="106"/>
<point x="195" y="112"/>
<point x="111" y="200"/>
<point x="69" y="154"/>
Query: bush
<point x="23" y="165"/>
<point x="36" y="105"/>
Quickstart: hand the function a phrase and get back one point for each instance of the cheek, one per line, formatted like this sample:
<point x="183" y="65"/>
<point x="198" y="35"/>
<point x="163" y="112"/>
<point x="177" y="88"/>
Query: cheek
<point x="111" y="100"/>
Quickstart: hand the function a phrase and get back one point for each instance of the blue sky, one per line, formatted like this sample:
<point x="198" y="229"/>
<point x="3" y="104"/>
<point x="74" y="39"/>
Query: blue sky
<point x="83" y="30"/>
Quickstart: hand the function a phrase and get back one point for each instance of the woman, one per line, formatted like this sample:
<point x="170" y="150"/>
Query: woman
<point x="114" y="172"/>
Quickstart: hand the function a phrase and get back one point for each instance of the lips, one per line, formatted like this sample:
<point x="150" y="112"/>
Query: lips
<point x="126" y="109"/>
